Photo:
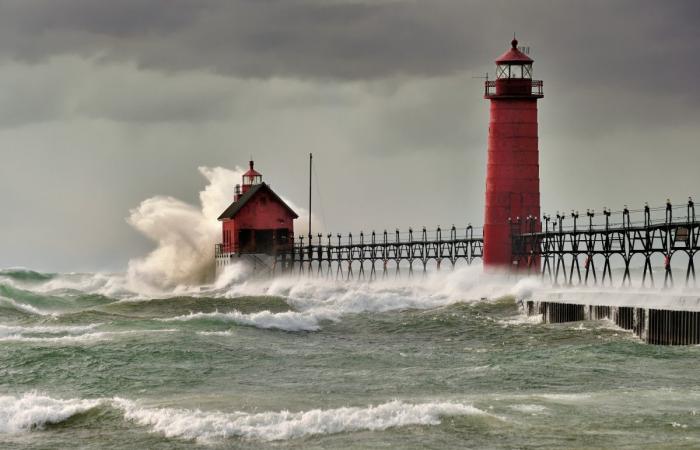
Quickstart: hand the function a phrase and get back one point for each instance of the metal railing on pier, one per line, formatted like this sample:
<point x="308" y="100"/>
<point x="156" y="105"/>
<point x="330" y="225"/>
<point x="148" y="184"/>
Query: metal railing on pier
<point x="574" y="249"/>
<point x="370" y="256"/>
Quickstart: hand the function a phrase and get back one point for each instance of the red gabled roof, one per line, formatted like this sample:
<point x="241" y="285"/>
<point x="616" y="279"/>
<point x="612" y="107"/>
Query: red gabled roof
<point x="514" y="56"/>
<point x="236" y="206"/>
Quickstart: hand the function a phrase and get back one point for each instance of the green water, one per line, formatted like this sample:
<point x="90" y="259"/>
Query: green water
<point x="220" y="380"/>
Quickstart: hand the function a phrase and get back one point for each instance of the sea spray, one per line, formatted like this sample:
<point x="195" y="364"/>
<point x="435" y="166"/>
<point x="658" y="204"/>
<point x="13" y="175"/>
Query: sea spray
<point x="185" y="235"/>
<point x="316" y="300"/>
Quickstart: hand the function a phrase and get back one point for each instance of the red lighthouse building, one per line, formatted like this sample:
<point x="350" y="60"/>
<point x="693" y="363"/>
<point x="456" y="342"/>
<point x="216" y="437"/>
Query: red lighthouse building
<point x="512" y="177"/>
<point x="257" y="222"/>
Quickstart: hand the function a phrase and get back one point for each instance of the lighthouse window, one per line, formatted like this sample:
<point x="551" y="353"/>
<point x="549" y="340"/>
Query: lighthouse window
<point x="514" y="71"/>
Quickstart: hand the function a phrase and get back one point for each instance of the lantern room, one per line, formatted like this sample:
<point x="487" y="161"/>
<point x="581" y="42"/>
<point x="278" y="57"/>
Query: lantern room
<point x="514" y="75"/>
<point x="251" y="178"/>
<point x="514" y="63"/>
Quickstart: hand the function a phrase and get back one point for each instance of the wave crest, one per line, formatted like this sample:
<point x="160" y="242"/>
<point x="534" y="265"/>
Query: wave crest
<point x="33" y="411"/>
<point x="25" y="274"/>
<point x="287" y="321"/>
<point x="274" y="426"/>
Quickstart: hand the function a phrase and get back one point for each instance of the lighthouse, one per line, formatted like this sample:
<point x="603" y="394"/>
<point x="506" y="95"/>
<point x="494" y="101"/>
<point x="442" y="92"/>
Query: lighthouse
<point x="512" y="174"/>
<point x="256" y="226"/>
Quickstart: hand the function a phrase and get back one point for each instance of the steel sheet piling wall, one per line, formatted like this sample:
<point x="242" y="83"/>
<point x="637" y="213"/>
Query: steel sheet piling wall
<point x="653" y="326"/>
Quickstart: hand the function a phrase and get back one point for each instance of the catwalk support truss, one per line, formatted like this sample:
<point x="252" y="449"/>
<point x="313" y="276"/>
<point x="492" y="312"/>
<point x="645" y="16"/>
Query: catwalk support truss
<point x="374" y="256"/>
<point x="650" y="245"/>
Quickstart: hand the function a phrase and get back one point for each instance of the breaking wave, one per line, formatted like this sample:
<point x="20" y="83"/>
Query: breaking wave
<point x="287" y="321"/>
<point x="22" y="307"/>
<point x="33" y="411"/>
<point x="274" y="426"/>
<point x="315" y="300"/>
<point x="312" y="300"/>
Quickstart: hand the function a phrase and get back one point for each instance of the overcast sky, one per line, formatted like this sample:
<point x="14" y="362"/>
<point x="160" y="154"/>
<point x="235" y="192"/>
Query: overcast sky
<point x="106" y="103"/>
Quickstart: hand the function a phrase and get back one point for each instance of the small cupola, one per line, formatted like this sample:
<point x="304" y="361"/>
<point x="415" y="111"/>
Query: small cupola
<point x="251" y="178"/>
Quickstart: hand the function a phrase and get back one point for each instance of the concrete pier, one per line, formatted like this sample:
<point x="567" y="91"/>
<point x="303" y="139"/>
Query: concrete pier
<point x="653" y="326"/>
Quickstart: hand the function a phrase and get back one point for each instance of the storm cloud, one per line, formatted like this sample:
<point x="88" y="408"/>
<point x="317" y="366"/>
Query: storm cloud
<point x="106" y="103"/>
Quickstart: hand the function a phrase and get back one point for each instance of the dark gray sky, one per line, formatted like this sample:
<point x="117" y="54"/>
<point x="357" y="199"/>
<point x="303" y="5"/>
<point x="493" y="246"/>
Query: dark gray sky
<point x="106" y="103"/>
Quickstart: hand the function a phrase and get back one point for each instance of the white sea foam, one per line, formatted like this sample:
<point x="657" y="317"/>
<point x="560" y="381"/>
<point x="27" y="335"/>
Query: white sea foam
<point x="215" y="333"/>
<point x="529" y="409"/>
<point x="322" y="299"/>
<point x="521" y="319"/>
<point x="34" y="411"/>
<point x="565" y="397"/>
<point x="6" y="330"/>
<point x="81" y="338"/>
<point x="272" y="426"/>
<point x="288" y="321"/>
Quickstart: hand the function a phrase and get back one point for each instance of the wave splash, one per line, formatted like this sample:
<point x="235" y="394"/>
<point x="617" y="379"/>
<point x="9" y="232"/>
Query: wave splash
<point x="184" y="234"/>
<point x="317" y="299"/>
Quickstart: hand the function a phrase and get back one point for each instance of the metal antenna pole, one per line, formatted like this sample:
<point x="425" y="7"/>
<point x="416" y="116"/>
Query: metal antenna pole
<point x="311" y="158"/>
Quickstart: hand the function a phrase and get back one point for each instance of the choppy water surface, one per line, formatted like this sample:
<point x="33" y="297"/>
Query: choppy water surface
<point x="444" y="362"/>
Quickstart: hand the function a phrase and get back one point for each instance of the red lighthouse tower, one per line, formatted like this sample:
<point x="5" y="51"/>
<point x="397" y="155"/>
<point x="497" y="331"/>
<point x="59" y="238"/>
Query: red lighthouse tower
<point x="512" y="177"/>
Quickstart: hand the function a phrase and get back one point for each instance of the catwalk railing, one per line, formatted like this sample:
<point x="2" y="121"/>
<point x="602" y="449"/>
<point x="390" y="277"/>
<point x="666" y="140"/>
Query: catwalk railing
<point x="627" y="243"/>
<point x="371" y="256"/>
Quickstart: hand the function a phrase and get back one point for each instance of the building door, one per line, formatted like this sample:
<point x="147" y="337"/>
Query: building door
<point x="245" y="241"/>
<point x="282" y="237"/>
<point x="263" y="241"/>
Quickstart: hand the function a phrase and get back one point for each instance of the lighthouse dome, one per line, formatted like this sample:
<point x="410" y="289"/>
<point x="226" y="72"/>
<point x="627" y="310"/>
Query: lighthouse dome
<point x="514" y="56"/>
<point x="252" y="176"/>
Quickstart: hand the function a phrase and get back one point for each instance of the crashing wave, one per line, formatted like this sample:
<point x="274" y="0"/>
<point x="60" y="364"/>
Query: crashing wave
<point x="34" y="411"/>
